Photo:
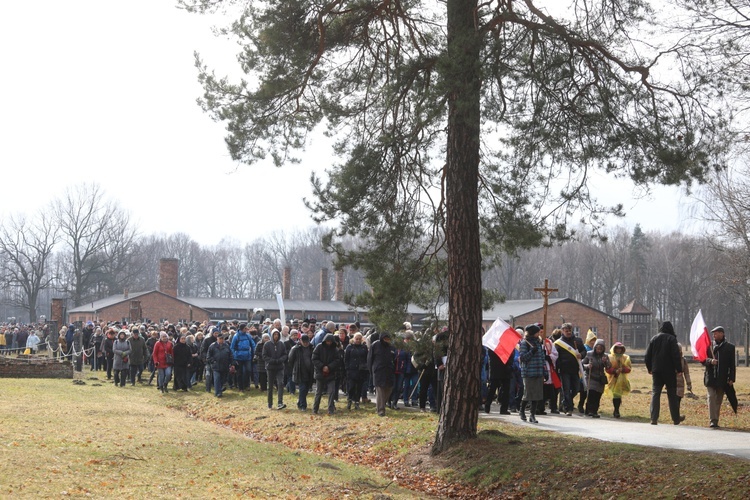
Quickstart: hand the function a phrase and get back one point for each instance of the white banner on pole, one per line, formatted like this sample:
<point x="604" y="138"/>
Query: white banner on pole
<point x="282" y="312"/>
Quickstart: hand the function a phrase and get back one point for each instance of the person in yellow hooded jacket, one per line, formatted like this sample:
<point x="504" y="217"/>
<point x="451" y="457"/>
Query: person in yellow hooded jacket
<point x="617" y="374"/>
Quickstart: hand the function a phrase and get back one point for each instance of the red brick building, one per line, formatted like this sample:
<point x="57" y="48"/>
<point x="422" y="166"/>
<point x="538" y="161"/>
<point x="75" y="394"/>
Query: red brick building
<point x="164" y="304"/>
<point x="153" y="305"/>
<point x="559" y="311"/>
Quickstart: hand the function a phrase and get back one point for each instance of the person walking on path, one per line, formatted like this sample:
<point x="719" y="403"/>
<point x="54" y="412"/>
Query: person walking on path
<point x="618" y="384"/>
<point x="531" y="353"/>
<point x="570" y="351"/>
<point x="720" y="373"/>
<point x="595" y="363"/>
<point x="684" y="379"/>
<point x="663" y="362"/>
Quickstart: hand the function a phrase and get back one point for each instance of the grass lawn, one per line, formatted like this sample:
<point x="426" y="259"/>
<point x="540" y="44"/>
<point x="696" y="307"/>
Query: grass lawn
<point x="62" y="439"/>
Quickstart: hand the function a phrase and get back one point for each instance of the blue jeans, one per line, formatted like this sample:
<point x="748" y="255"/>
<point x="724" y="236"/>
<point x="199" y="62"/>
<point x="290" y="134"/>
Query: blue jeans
<point x="291" y="386"/>
<point x="398" y="388"/>
<point x="163" y="377"/>
<point x="410" y="382"/>
<point x="219" y="379"/>
<point x="570" y="385"/>
<point x="302" y="398"/>
<point x="244" y="373"/>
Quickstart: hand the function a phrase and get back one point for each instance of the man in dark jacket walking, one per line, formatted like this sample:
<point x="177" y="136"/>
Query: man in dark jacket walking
<point x="664" y="364"/>
<point x="138" y="356"/>
<point x="720" y="373"/>
<point x="219" y="357"/>
<point x="326" y="361"/>
<point x="570" y="351"/>
<point x="381" y="362"/>
<point x="274" y="355"/>
<point x="303" y="372"/>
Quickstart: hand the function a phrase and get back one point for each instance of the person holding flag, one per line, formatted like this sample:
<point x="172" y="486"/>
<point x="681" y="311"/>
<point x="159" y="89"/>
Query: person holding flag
<point x="720" y="374"/>
<point x="500" y="341"/>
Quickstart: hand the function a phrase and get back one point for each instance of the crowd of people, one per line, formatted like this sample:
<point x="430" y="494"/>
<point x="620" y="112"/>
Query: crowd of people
<point x="544" y="373"/>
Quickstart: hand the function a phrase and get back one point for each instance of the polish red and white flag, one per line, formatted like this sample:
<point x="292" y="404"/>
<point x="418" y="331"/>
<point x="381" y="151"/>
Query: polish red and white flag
<point x="699" y="338"/>
<point x="501" y="338"/>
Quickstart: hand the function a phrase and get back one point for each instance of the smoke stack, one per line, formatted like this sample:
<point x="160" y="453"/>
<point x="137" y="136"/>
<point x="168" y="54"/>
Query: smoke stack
<point x="168" y="272"/>
<point x="324" y="293"/>
<point x="56" y="312"/>
<point x="125" y="293"/>
<point x="286" y="285"/>
<point x="338" y="286"/>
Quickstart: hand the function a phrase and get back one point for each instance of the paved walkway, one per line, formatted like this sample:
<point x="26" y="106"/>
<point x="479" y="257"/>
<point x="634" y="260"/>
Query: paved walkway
<point x="664" y="435"/>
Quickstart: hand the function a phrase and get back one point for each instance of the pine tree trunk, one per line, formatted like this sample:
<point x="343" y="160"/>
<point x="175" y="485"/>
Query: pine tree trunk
<point x="459" y="410"/>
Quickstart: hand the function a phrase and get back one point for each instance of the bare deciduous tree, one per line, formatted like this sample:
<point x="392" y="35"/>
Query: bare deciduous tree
<point x="26" y="246"/>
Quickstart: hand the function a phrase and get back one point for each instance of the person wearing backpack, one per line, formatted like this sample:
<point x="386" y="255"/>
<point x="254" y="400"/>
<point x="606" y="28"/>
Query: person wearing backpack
<point x="243" y="351"/>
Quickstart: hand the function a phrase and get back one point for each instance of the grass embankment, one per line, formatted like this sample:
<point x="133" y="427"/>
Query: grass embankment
<point x="134" y="441"/>
<point x="60" y="439"/>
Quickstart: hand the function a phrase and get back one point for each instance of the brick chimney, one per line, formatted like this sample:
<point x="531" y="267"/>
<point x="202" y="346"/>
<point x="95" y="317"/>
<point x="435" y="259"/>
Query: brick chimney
<point x="325" y="294"/>
<point x="56" y="312"/>
<point x="168" y="273"/>
<point x="286" y="285"/>
<point x="338" y="287"/>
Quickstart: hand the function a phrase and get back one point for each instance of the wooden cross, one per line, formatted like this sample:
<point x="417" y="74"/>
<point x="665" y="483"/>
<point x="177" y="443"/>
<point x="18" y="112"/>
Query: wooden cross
<point x="545" y="293"/>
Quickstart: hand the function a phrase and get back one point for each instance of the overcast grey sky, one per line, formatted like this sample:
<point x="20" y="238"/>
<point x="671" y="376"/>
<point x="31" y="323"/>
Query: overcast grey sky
<point x="104" y="91"/>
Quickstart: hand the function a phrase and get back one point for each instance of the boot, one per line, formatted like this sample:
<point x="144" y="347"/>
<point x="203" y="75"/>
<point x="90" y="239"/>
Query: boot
<point x="617" y="402"/>
<point x="522" y="411"/>
<point x="532" y="415"/>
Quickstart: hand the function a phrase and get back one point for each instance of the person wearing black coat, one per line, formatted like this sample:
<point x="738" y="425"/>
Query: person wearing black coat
<point x="500" y="374"/>
<point x="720" y="374"/>
<point x="108" y="351"/>
<point x="274" y="356"/>
<point x="355" y="363"/>
<point x="326" y="361"/>
<point x="381" y="361"/>
<point x="219" y="357"/>
<point x="183" y="360"/>
<point x="664" y="363"/>
<point x="570" y="352"/>
<point x="303" y="372"/>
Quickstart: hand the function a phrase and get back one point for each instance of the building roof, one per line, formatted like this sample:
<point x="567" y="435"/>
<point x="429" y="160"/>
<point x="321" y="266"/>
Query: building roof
<point x="635" y="307"/>
<point x="218" y="304"/>
<point x="112" y="300"/>
<point x="517" y="308"/>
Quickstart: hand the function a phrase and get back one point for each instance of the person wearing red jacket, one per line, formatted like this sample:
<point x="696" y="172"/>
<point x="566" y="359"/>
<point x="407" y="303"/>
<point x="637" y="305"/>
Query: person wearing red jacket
<point x="163" y="357"/>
